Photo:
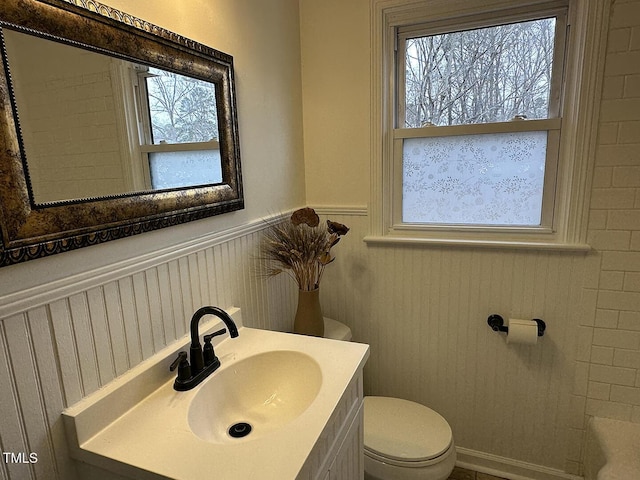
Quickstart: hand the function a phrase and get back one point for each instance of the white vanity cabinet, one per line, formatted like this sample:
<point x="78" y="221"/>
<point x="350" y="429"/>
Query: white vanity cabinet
<point x="349" y="462"/>
<point x="338" y="453"/>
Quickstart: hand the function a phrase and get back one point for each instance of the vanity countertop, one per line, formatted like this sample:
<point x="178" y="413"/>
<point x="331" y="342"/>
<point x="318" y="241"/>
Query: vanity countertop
<point x="150" y="437"/>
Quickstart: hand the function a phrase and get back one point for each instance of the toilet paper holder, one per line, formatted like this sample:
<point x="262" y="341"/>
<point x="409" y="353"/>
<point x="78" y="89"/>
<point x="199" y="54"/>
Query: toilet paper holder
<point x="496" y="322"/>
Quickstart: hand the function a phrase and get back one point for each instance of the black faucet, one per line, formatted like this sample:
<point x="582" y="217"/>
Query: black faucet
<point x="203" y="363"/>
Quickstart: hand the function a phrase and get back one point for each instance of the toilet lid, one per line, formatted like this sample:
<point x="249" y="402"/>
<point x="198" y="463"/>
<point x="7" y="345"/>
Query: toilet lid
<point x="403" y="430"/>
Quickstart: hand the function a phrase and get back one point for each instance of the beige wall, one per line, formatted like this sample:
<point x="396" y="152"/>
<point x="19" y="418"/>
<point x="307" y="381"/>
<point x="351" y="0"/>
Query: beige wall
<point x="424" y="310"/>
<point x="335" y="82"/>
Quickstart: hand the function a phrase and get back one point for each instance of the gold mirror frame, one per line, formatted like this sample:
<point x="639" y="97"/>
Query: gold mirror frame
<point x="30" y="230"/>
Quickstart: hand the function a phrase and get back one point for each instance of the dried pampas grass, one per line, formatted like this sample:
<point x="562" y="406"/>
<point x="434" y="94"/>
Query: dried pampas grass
<point x="301" y="247"/>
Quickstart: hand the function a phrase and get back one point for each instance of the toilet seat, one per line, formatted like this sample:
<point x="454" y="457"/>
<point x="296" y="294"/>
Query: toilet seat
<point x="404" y="433"/>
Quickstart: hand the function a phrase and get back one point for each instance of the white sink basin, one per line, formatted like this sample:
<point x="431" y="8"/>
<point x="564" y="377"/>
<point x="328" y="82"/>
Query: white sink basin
<point x="287" y="387"/>
<point x="254" y="396"/>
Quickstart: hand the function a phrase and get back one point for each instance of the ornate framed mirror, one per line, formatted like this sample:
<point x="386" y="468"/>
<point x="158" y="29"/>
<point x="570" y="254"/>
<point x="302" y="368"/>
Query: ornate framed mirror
<point x="109" y="127"/>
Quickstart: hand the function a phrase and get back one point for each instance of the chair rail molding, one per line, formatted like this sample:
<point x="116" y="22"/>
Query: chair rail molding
<point x="45" y="293"/>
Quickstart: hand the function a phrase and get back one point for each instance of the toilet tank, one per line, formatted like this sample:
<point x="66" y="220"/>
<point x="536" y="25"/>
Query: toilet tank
<point x="336" y="330"/>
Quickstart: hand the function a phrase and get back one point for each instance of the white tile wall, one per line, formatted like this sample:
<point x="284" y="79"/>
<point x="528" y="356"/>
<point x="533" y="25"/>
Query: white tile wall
<point x="614" y="361"/>
<point x="63" y="104"/>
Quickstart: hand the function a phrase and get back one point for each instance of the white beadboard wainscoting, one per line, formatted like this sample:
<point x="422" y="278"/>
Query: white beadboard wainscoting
<point x="424" y="312"/>
<point x="61" y="342"/>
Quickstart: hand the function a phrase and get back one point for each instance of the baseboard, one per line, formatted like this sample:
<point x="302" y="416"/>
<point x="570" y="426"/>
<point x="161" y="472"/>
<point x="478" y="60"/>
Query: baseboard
<point x="508" y="468"/>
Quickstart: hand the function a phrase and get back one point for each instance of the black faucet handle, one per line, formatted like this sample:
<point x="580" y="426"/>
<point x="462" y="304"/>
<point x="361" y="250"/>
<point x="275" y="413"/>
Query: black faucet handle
<point x="182" y="357"/>
<point x="208" y="354"/>
<point x="182" y="364"/>
<point x="207" y="338"/>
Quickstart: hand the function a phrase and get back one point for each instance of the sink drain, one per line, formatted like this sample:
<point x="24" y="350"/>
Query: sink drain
<point x="240" y="429"/>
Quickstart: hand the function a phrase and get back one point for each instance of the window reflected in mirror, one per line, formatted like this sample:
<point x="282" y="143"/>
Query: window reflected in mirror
<point x="179" y="129"/>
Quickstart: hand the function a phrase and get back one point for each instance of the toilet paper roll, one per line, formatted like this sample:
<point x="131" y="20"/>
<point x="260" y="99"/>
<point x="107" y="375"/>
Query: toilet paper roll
<point x="522" y="331"/>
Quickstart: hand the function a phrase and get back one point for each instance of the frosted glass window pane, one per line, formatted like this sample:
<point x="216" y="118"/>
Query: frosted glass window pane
<point x="185" y="168"/>
<point x="489" y="179"/>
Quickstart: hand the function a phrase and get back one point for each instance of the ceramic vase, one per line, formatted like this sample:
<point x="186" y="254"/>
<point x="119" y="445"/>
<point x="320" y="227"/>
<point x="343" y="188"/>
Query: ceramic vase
<point x="309" y="319"/>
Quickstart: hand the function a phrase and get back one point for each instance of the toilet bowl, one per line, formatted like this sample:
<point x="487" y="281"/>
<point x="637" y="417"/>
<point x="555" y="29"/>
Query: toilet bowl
<point x="403" y="440"/>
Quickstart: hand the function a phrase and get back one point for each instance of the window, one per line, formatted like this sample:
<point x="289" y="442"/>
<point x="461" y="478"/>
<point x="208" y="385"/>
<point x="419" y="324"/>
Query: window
<point x="486" y="85"/>
<point x="477" y="120"/>
<point x="178" y="129"/>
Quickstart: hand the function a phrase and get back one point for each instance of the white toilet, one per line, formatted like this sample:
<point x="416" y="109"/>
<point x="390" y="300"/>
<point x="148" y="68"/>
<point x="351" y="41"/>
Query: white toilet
<point x="403" y="440"/>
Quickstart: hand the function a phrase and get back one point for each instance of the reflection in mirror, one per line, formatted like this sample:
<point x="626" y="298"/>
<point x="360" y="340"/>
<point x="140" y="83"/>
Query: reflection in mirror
<point x="95" y="125"/>
<point x="181" y="143"/>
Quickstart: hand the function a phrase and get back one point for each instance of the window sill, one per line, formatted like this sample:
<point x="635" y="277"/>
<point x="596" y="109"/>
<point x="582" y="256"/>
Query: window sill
<point x="468" y="243"/>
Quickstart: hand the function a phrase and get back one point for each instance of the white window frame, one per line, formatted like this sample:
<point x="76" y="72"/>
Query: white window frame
<point x="583" y="67"/>
<point x="129" y="83"/>
<point x="147" y="146"/>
